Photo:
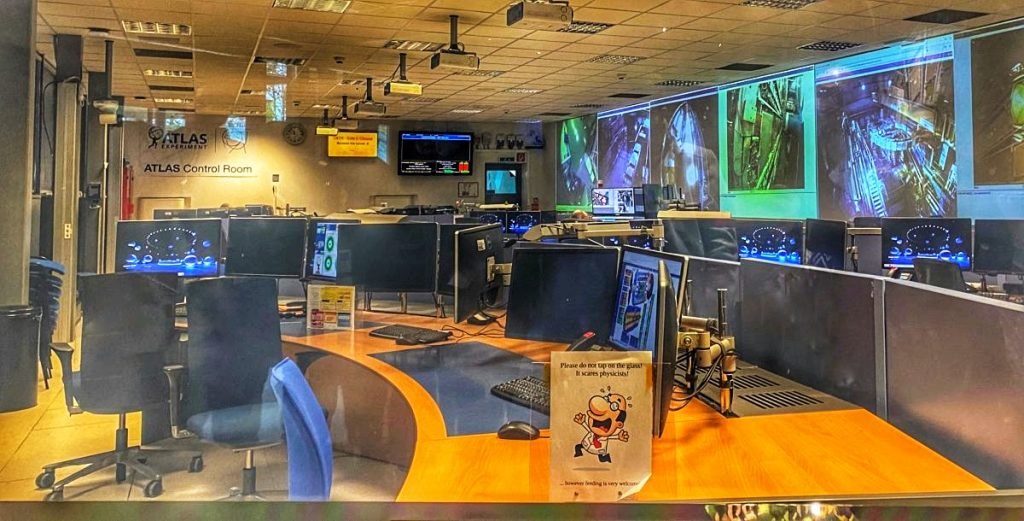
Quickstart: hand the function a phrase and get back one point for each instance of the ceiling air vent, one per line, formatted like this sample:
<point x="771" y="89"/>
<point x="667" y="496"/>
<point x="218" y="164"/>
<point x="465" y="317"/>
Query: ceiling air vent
<point x="829" y="46"/>
<point x="163" y="53"/>
<point x="629" y="95"/>
<point x="584" y="27"/>
<point x="779" y="4"/>
<point x="615" y="59"/>
<point x="945" y="16"/>
<point x="298" y="62"/>
<point x="744" y="67"/>
<point x="679" y="83"/>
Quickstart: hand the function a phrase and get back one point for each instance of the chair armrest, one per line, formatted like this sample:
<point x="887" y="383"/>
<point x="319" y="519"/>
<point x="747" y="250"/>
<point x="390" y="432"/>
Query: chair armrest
<point x="175" y="374"/>
<point x="64" y="353"/>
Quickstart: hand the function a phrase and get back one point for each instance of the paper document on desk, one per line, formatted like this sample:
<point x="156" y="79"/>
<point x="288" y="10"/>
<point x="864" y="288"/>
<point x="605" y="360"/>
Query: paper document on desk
<point x="601" y="424"/>
<point x="330" y="307"/>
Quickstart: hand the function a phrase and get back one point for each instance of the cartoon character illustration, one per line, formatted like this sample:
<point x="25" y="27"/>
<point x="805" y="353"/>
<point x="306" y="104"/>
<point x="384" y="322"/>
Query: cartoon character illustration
<point x="604" y="421"/>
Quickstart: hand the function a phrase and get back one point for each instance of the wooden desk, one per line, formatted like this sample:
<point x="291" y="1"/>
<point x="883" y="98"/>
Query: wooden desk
<point x="702" y="456"/>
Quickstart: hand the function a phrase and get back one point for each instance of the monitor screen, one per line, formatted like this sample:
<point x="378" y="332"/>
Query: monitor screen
<point x="322" y="249"/>
<point x="999" y="246"/>
<point x="521" y="222"/>
<point x="558" y="293"/>
<point x="268" y="246"/>
<point x="825" y="244"/>
<point x="666" y="349"/>
<point x="188" y="247"/>
<point x="446" y="257"/>
<point x="476" y="250"/>
<point x="633" y="322"/>
<point x="904" y="240"/>
<point x="614" y="202"/>
<point x="499" y="218"/>
<point x="776" y="241"/>
<point x="426" y="153"/>
<point x="502" y="180"/>
<point x="397" y="258"/>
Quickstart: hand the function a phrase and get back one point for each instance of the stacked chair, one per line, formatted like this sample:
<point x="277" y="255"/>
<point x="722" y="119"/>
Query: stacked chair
<point x="46" y="279"/>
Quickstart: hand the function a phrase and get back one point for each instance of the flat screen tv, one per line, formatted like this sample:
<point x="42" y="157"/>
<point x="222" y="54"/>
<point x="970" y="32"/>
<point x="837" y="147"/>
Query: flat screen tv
<point x="435" y="153"/>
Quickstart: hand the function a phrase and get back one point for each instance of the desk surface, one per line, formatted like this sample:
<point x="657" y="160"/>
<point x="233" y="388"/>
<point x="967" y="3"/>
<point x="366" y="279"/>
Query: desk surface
<point x="702" y="456"/>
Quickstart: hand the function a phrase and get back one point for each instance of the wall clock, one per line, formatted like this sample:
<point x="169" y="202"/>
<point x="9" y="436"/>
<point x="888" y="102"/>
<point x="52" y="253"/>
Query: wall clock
<point x="294" y="133"/>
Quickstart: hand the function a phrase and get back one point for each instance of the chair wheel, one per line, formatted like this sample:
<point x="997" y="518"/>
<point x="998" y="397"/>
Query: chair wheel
<point x="45" y="479"/>
<point x="153" y="488"/>
<point x="142" y="459"/>
<point x="56" y="494"/>
<point x="196" y="465"/>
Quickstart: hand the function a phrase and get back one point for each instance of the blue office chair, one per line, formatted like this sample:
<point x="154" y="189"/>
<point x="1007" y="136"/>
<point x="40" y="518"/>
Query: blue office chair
<point x="234" y="338"/>
<point x="127" y="329"/>
<point x="310" y="457"/>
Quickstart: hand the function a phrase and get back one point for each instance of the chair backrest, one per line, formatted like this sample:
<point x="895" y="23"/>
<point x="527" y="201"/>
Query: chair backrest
<point x="127" y="330"/>
<point x="939" y="273"/>
<point x="310" y="458"/>
<point x="234" y="338"/>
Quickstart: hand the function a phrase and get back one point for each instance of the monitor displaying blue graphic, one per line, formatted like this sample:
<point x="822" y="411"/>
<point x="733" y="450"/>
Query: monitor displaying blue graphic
<point x="775" y="241"/>
<point x="634" y="324"/>
<point x="521" y="222"/>
<point x="904" y="240"/>
<point x="188" y="247"/>
<point x="492" y="218"/>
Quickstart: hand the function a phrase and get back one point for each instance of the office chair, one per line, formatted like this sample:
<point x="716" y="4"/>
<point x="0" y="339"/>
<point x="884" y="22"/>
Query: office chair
<point x="234" y="338"/>
<point x="939" y="273"/>
<point x="310" y="456"/>
<point x="128" y="326"/>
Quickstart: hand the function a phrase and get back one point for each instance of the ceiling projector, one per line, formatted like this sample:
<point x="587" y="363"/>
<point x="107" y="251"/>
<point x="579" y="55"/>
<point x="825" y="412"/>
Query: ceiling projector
<point x="403" y="88"/>
<point x="454" y="59"/>
<point x="539" y="16"/>
<point x="370" y="108"/>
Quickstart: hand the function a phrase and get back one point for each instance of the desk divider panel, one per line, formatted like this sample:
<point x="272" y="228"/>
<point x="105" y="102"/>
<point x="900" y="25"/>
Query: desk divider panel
<point x="708" y="275"/>
<point x="812" y="325"/>
<point x="955" y="377"/>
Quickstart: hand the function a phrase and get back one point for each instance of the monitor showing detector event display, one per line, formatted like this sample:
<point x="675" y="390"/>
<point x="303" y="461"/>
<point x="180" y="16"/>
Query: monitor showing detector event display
<point x="435" y="153"/>
<point x="617" y="202"/>
<point x="904" y="240"/>
<point x="779" y="241"/>
<point x="188" y="247"/>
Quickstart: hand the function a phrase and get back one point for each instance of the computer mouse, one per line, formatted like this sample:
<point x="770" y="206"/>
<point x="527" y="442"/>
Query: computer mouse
<point x="407" y="341"/>
<point x="518" y="430"/>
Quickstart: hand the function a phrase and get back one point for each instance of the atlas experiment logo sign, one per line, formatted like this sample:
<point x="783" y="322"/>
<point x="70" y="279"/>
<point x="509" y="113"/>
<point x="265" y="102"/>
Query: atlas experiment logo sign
<point x="161" y="139"/>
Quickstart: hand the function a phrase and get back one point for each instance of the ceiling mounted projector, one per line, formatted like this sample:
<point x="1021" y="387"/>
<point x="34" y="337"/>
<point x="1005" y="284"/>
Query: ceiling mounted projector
<point x="455" y="56"/>
<point x="402" y="86"/>
<point x="539" y="16"/>
<point x="367" y="106"/>
<point x="326" y="126"/>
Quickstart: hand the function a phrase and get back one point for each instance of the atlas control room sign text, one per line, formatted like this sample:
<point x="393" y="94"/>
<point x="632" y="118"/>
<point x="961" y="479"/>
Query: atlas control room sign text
<point x="205" y="147"/>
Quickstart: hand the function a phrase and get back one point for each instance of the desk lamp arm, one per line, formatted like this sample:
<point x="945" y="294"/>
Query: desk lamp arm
<point x="707" y="341"/>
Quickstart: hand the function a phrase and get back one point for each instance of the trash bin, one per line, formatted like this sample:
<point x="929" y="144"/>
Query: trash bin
<point x="19" y="355"/>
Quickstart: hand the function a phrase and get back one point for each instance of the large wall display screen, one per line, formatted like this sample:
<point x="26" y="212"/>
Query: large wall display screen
<point x="886" y="145"/>
<point x="577" y="167"/>
<point x="765" y="138"/>
<point x="684" y="147"/>
<point x="997" y="74"/>
<point x="624" y="138"/>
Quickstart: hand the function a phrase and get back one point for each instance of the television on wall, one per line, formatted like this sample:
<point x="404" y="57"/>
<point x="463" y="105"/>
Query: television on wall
<point x="435" y="154"/>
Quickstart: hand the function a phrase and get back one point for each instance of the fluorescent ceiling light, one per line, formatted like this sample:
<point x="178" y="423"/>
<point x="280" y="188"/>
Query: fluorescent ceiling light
<point x="168" y="73"/>
<point x="168" y="29"/>
<point x="467" y="111"/>
<point x="522" y="90"/>
<point x="412" y="45"/>
<point x="615" y="59"/>
<point x="183" y="101"/>
<point x="325" y="6"/>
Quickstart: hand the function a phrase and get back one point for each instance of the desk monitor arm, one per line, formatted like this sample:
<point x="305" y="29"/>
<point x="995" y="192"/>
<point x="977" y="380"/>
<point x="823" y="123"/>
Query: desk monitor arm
<point x="502" y="270"/>
<point x="653" y="228"/>
<point x="708" y="343"/>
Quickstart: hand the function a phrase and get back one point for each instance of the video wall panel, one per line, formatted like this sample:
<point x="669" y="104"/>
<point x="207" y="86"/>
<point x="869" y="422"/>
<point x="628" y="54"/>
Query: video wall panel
<point x="624" y="151"/>
<point x="997" y="76"/>
<point x="685" y="147"/>
<point x="577" y="167"/>
<point x="887" y="133"/>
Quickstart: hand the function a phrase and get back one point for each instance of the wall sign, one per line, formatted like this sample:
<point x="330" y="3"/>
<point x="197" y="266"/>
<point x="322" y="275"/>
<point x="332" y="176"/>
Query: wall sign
<point x="601" y="418"/>
<point x="199" y="147"/>
<point x="352" y="144"/>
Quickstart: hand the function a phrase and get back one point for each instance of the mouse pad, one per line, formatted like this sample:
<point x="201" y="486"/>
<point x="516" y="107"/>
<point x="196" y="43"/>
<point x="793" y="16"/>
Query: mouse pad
<point x="459" y="378"/>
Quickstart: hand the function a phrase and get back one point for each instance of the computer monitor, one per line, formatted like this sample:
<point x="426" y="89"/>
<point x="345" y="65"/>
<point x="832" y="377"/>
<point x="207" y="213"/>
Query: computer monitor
<point x="557" y="292"/>
<point x="322" y="248"/>
<point x="503" y="183"/>
<point x="175" y="213"/>
<point x="771" y="240"/>
<point x="521" y="222"/>
<point x="634" y="325"/>
<point x="617" y="202"/>
<point x="477" y="250"/>
<point x="940" y="274"/>
<point x="548" y="217"/>
<point x="400" y="257"/>
<point x="446" y="258"/>
<point x="211" y="213"/>
<point x="867" y="222"/>
<point x="667" y="345"/>
<point x="188" y="247"/>
<point x="266" y="246"/>
<point x="500" y="218"/>
<point x="906" y="239"/>
<point x="999" y="246"/>
<point x="825" y="244"/>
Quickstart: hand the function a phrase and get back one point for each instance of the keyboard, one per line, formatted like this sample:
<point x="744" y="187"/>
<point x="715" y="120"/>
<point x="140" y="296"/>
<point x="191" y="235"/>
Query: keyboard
<point x="423" y="335"/>
<point x="529" y="392"/>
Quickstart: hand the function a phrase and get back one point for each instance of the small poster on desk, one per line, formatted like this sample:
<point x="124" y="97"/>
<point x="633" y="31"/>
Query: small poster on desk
<point x="601" y="424"/>
<point x="330" y="307"/>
